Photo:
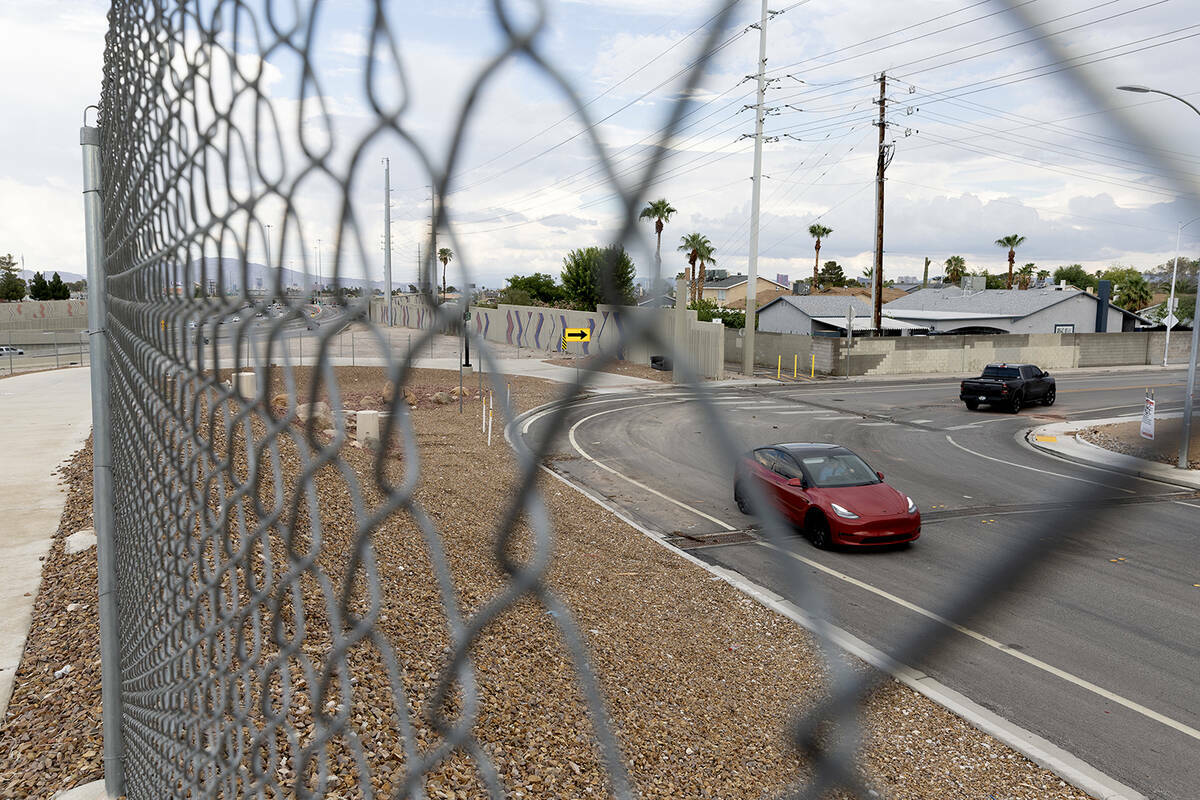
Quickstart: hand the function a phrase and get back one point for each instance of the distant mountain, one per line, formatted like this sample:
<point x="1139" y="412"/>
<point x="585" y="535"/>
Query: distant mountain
<point x="260" y="275"/>
<point x="68" y="277"/>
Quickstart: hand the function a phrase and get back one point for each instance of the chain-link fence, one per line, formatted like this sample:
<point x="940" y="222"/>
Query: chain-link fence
<point x="251" y="652"/>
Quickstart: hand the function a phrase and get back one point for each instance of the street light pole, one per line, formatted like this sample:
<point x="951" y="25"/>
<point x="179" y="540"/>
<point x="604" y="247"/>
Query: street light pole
<point x="1171" y="300"/>
<point x="1186" y="435"/>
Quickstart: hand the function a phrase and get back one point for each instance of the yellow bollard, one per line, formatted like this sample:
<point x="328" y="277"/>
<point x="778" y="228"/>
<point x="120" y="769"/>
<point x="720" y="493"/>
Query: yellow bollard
<point x="778" y="367"/>
<point x="795" y="361"/>
<point x="813" y="374"/>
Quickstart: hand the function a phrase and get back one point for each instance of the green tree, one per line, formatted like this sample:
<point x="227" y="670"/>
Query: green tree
<point x="38" y="288"/>
<point x="1042" y="274"/>
<point x="818" y="232"/>
<point x="1011" y="243"/>
<point x="1025" y="275"/>
<point x="707" y="310"/>
<point x="956" y="268"/>
<point x="1075" y="275"/>
<point x="1133" y="292"/>
<point x="514" y="296"/>
<point x="445" y="255"/>
<point x="540" y="286"/>
<point x="12" y="285"/>
<point x="990" y="281"/>
<point x="660" y="211"/>
<point x="596" y="275"/>
<point x="699" y="252"/>
<point x="832" y="274"/>
<point x="58" y="289"/>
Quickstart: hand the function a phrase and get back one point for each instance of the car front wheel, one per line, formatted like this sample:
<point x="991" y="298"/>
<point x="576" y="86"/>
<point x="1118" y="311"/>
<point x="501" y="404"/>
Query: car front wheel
<point x="817" y="528"/>
<point x="738" y="498"/>
<point x="1048" y="400"/>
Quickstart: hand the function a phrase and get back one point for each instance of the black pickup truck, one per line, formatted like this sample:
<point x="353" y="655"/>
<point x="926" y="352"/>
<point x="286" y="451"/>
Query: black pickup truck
<point x="1009" y="386"/>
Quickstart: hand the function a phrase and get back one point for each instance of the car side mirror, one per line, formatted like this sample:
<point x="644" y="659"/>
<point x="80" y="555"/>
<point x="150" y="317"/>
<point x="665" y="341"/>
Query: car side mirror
<point x="880" y="474"/>
<point x="1044" y="374"/>
<point x="799" y="483"/>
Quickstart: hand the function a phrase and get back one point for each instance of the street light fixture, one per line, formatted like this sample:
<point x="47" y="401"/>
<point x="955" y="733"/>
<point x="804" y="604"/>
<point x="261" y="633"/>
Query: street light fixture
<point x="1191" y="381"/>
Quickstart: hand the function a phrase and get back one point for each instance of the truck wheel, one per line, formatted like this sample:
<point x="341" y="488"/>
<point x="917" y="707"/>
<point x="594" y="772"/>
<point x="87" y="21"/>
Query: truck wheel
<point x="1014" y="405"/>
<point x="1048" y="400"/>
<point x="972" y="405"/>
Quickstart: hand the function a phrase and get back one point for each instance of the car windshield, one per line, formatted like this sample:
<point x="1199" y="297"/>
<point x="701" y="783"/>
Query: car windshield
<point x="1001" y="372"/>
<point x="841" y="469"/>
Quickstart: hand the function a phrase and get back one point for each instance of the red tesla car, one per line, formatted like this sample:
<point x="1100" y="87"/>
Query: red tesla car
<point x="830" y="494"/>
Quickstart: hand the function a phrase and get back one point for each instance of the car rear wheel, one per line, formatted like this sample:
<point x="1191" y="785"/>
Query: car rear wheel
<point x="1014" y="405"/>
<point x="972" y="405"/>
<point x="817" y="528"/>
<point x="738" y="498"/>
<point x="1048" y="400"/>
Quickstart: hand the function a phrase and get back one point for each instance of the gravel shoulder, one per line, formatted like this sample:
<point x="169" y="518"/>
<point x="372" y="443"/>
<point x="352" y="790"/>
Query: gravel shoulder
<point x="615" y="367"/>
<point x="699" y="681"/>
<point x="1126" y="437"/>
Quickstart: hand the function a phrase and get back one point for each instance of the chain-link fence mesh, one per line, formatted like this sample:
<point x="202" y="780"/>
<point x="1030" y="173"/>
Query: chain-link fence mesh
<point x="248" y="529"/>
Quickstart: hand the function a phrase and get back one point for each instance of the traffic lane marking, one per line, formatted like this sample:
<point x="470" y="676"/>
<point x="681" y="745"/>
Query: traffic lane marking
<point x="575" y="444"/>
<point x="1139" y="404"/>
<point x="950" y="439"/>
<point x="1119" y="388"/>
<point x="1082" y="683"/>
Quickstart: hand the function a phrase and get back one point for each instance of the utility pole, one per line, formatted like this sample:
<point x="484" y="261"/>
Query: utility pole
<point x="880" y="167"/>
<point x="387" y="241"/>
<point x="755" y="198"/>
<point x="433" y="234"/>
<point x="318" y="268"/>
<point x="925" y="279"/>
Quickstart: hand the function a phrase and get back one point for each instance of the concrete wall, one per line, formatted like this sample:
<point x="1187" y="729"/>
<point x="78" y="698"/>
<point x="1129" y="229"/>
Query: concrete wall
<point x="43" y="315"/>
<point x="539" y="328"/>
<point x="770" y="349"/>
<point x="949" y="354"/>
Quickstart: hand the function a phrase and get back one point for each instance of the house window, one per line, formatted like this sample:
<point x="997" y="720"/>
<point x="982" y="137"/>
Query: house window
<point x="1064" y="328"/>
<point x="721" y="295"/>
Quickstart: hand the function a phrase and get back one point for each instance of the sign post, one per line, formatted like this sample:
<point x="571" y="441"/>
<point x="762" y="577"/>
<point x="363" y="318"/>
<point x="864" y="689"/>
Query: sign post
<point x="1148" y="416"/>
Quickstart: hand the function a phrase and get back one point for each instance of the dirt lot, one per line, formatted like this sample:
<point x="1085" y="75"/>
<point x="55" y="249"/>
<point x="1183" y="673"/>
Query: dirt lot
<point x="699" y="682"/>
<point x="1126" y="437"/>
<point x="616" y="368"/>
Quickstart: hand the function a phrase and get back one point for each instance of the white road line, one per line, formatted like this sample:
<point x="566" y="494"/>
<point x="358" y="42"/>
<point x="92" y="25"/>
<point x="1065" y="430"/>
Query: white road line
<point x="1189" y="505"/>
<point x="977" y="424"/>
<point x="639" y="484"/>
<point x="759" y="408"/>
<point x="1035" y="469"/>
<point x="874" y="424"/>
<point x="1187" y="730"/>
<point x="832" y="419"/>
<point x="1158" y="409"/>
<point x="919" y="421"/>
<point x="814" y="411"/>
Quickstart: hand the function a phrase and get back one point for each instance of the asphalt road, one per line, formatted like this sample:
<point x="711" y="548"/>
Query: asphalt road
<point x="1098" y="656"/>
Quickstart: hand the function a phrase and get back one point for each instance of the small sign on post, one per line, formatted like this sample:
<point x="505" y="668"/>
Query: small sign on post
<point x="1148" y="417"/>
<point x="577" y="335"/>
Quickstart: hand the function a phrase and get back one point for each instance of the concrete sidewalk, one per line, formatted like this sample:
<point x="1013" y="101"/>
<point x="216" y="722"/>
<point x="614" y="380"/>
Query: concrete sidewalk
<point x="1062" y="439"/>
<point x="46" y="417"/>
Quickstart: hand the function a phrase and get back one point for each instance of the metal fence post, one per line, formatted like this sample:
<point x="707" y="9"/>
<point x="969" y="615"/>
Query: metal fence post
<point x="102" y="484"/>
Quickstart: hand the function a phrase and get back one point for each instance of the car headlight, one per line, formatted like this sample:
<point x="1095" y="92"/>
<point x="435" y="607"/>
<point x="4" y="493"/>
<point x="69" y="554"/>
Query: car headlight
<point x="912" y="507"/>
<point x="844" y="513"/>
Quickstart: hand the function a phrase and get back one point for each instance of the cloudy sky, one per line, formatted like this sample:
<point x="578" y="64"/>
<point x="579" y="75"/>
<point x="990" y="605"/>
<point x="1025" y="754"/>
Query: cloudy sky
<point x="992" y="134"/>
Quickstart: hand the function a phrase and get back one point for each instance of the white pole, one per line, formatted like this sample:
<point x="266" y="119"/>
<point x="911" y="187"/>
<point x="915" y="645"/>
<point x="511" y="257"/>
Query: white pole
<point x="387" y="242"/>
<point x="755" y="197"/>
<point x="1171" y="300"/>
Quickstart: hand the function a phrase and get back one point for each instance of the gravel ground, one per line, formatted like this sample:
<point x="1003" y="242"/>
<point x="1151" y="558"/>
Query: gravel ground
<point x="1126" y="437"/>
<point x="699" y="681"/>
<point x="616" y="368"/>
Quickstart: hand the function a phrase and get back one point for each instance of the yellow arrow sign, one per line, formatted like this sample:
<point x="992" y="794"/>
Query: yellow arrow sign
<point x="577" y="334"/>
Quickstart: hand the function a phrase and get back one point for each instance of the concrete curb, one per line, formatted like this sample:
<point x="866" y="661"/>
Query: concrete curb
<point x="1037" y="749"/>
<point x="1068" y="446"/>
<point x="89" y="791"/>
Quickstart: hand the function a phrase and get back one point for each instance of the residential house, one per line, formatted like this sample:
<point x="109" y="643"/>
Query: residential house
<point x="824" y="315"/>
<point x="730" y="289"/>
<point x="1056" y="310"/>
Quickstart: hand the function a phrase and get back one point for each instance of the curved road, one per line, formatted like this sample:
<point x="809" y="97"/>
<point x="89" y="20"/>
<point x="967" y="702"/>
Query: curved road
<point x="1095" y="654"/>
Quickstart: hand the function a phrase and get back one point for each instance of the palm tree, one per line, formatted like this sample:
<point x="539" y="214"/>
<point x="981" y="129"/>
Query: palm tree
<point x="699" y="251"/>
<point x="1025" y="274"/>
<point x="956" y="267"/>
<point x="1134" y="294"/>
<point x="445" y="255"/>
<point x="660" y="211"/>
<point x="1042" y="274"/>
<point x="818" y="232"/>
<point x="1011" y="243"/>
